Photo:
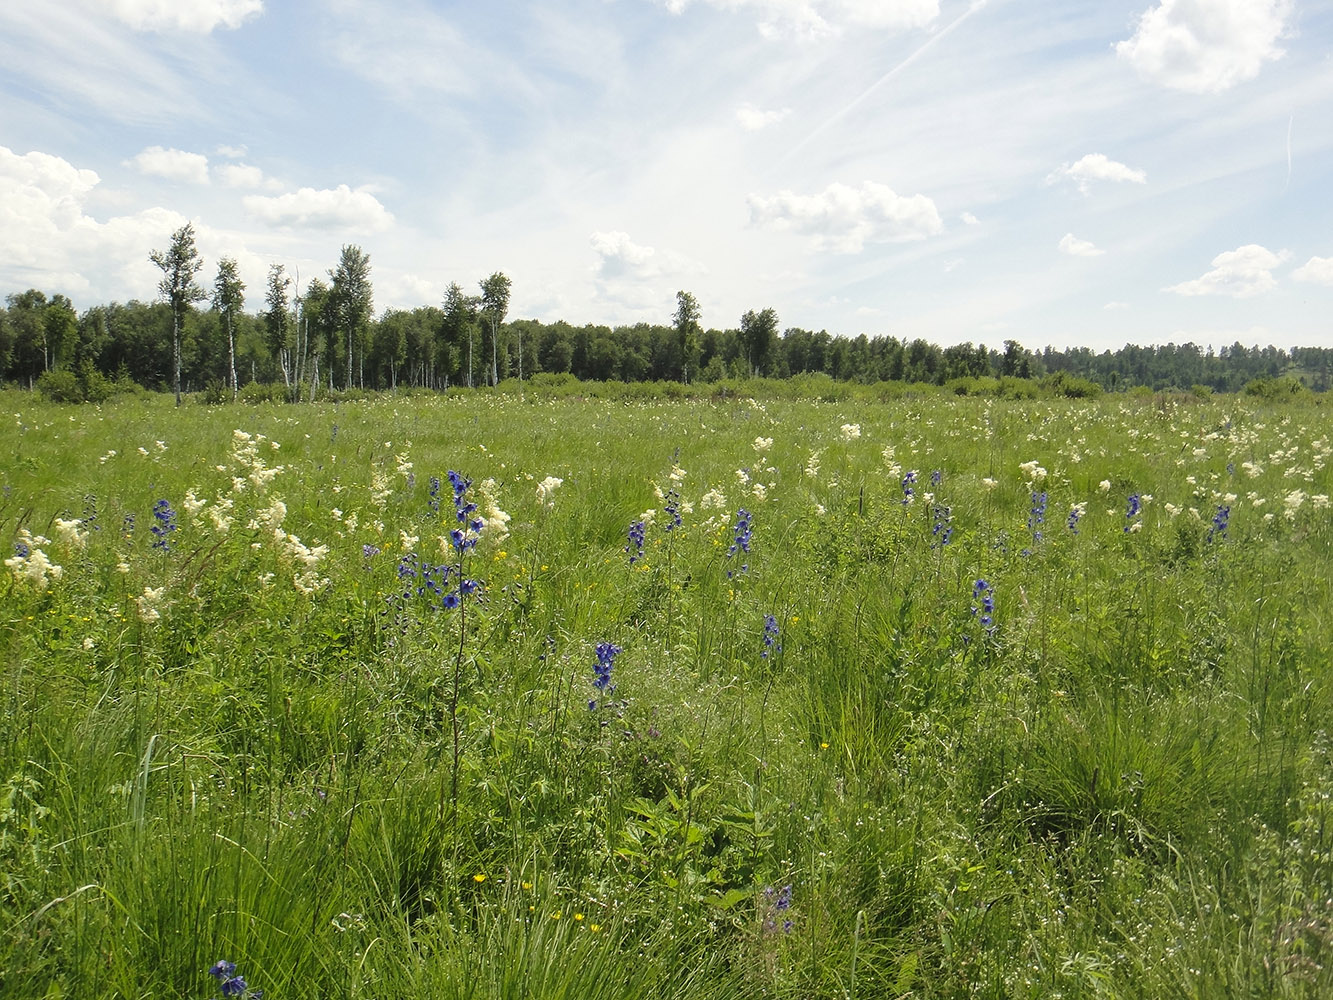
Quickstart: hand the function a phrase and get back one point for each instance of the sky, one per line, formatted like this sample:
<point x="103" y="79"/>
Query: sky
<point x="1056" y="172"/>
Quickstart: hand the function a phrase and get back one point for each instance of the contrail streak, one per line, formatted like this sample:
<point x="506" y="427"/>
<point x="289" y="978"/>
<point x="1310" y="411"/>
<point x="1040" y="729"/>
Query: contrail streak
<point x="924" y="47"/>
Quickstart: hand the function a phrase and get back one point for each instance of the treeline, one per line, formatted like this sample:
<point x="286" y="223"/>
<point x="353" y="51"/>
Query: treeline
<point x="324" y="337"/>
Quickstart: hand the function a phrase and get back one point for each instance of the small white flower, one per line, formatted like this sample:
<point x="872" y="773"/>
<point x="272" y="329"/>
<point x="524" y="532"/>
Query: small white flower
<point x="546" y="491"/>
<point x="850" y="432"/>
<point x="762" y="444"/>
<point x="1104" y="485"/>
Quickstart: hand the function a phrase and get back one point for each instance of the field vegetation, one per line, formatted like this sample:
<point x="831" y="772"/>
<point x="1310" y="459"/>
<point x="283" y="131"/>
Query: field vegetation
<point x="489" y="695"/>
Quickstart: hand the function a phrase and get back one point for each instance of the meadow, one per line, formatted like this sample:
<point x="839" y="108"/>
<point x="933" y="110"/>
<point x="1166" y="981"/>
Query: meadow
<point x="486" y="696"/>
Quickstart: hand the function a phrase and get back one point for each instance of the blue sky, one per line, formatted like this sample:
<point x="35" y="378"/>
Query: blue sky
<point x="1064" y="173"/>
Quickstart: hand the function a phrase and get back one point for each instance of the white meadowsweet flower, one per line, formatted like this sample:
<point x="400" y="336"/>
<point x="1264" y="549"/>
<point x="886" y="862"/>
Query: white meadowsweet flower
<point x="714" y="499"/>
<point x="71" y="532"/>
<point x="762" y="444"/>
<point x="850" y="432"/>
<point x="546" y="491"/>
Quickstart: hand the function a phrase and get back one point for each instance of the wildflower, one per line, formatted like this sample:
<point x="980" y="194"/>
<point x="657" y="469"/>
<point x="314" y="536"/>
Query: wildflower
<point x="943" y="529"/>
<point x="936" y="477"/>
<point x="908" y="492"/>
<point x="433" y="503"/>
<point x="1219" y="523"/>
<point x="762" y="444"/>
<point x="741" y="534"/>
<point x="812" y="465"/>
<point x="637" y="530"/>
<point x="601" y="680"/>
<point x="850" y="432"/>
<point x="166" y="524"/>
<point x="30" y="563"/>
<point x="771" y="636"/>
<point x="671" y="508"/>
<point x="494" y="521"/>
<point x="1076" y="513"/>
<point x="990" y="483"/>
<point x="149" y="604"/>
<point x="714" y="499"/>
<point x="1104" y="486"/>
<point x="984" y="608"/>
<point x="546" y="491"/>
<point x="1037" y="515"/>
<point x="1133" y="506"/>
<point x="71" y="532"/>
<point x="230" y="984"/>
<point x="1033" y="471"/>
<point x="1292" y="504"/>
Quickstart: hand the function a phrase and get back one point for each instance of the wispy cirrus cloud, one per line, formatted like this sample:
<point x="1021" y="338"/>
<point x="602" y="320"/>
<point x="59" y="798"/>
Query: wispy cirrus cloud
<point x="815" y="19"/>
<point x="193" y="16"/>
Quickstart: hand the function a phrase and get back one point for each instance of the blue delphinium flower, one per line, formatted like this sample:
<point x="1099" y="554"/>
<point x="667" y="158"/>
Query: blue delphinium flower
<point x="741" y="535"/>
<point x="1037" y="515"/>
<point x="1219" y="528"/>
<point x="166" y="524"/>
<point x="434" y="502"/>
<point x="983" y="608"/>
<point x="230" y="984"/>
<point x="1132" y="507"/>
<point x="22" y="550"/>
<point x="771" y="634"/>
<point x="601" y="671"/>
<point x="464" y="538"/>
<point x="89" y="519"/>
<point x="943" y="529"/>
<point x="671" y="507"/>
<point x="777" y="904"/>
<point x="908" y="492"/>
<point x="637" y="531"/>
<point x="936" y="477"/>
<point x="1074" y="514"/>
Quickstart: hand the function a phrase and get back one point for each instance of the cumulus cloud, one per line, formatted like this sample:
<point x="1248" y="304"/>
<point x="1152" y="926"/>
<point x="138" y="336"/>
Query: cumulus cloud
<point x="824" y="18"/>
<point x="753" y="119"/>
<point x="242" y="175"/>
<point x="1206" y="47"/>
<point x="1240" y="273"/>
<point x="627" y="272"/>
<point x="199" y="16"/>
<point x="50" y="242"/>
<point x="1096" y="167"/>
<point x="173" y="164"/>
<point x="843" y="219"/>
<point x="336" y="208"/>
<point x="1316" y="270"/>
<point x="968" y="219"/>
<point x="1076" y="247"/>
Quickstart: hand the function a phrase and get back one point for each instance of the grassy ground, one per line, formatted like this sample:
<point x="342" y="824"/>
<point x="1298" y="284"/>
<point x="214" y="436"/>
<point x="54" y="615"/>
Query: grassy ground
<point x="950" y="742"/>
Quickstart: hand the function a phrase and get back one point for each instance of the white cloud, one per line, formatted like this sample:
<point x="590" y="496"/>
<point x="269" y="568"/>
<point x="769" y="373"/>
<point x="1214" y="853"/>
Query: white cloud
<point x="843" y="218"/>
<point x="627" y="273"/>
<point x="336" y="208"/>
<point x="1096" y="167"/>
<point x="231" y="152"/>
<point x="1206" y="46"/>
<point x="1317" y="270"/>
<point x="620" y="257"/>
<point x="1240" y="273"/>
<point x="200" y="16"/>
<point x="51" y="243"/>
<point x="242" y="175"/>
<point x="1076" y="247"/>
<point x="1115" y="306"/>
<point x="968" y="219"/>
<point x="753" y="119"/>
<point x="173" y="164"/>
<point x="824" y="18"/>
